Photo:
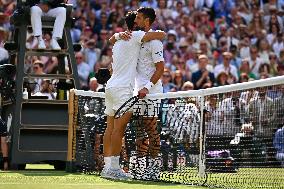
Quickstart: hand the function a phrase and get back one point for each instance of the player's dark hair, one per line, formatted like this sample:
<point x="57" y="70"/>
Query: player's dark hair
<point x="129" y="19"/>
<point x="148" y="12"/>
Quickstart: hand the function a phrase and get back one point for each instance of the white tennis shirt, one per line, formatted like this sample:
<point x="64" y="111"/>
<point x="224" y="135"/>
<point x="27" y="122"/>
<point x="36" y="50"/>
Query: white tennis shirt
<point x="125" y="57"/>
<point x="150" y="53"/>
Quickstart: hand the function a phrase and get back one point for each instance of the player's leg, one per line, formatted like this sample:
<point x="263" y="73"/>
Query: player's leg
<point x="150" y="124"/>
<point x="116" y="138"/>
<point x="142" y="141"/>
<point x="107" y="135"/>
<point x="4" y="148"/>
<point x="107" y="143"/>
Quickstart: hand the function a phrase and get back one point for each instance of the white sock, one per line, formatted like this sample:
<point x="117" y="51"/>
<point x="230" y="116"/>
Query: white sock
<point x="115" y="162"/>
<point x="107" y="161"/>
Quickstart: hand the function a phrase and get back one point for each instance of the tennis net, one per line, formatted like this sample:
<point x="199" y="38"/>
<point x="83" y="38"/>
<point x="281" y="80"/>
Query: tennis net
<point x="229" y="137"/>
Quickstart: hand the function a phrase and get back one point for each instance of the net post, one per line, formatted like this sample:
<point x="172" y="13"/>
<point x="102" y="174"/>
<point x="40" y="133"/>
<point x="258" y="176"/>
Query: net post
<point x="70" y="167"/>
<point x="201" y="166"/>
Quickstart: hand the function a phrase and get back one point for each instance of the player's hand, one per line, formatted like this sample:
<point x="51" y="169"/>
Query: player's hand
<point x="142" y="93"/>
<point x="125" y="35"/>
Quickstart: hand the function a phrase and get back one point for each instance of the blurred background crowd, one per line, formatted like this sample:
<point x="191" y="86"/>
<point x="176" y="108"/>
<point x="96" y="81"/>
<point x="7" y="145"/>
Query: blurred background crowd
<point x="209" y="42"/>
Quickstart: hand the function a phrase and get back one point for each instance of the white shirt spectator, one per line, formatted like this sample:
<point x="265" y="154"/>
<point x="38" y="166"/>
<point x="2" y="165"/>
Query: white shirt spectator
<point x="229" y="70"/>
<point x="150" y="3"/>
<point x="254" y="66"/>
<point x="83" y="72"/>
<point x="277" y="46"/>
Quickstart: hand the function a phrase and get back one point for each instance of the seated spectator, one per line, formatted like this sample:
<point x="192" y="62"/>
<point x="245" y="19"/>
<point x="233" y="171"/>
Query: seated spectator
<point x="278" y="143"/>
<point x="244" y="78"/>
<point x="264" y="71"/>
<point x="4" y="55"/>
<point x="202" y="77"/>
<point x="228" y="68"/>
<point x="35" y="84"/>
<point x="93" y="84"/>
<point x="246" y="69"/>
<point x="46" y="90"/>
<point x="254" y="61"/>
<point x="83" y="69"/>
<point x="221" y="79"/>
<point x="273" y="63"/>
<point x="178" y="80"/>
<point x="167" y="81"/>
<point x="187" y="86"/>
<point x="48" y="8"/>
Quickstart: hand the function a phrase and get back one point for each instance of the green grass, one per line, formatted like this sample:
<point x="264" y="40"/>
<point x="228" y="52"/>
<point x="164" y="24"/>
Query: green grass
<point x="44" y="177"/>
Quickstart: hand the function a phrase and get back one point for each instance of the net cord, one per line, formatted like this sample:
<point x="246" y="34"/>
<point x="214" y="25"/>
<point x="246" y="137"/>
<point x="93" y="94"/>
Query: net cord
<point x="202" y="92"/>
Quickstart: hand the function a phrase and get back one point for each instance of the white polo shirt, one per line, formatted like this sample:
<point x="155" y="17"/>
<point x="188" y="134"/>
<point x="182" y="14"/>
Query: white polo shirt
<point x="150" y="53"/>
<point x="125" y="56"/>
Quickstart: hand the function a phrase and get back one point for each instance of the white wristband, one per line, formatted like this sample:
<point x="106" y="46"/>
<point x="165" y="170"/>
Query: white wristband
<point x="149" y="85"/>
<point x="116" y="36"/>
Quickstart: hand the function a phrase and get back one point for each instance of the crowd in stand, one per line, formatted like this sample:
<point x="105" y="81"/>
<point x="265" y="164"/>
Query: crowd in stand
<point x="239" y="40"/>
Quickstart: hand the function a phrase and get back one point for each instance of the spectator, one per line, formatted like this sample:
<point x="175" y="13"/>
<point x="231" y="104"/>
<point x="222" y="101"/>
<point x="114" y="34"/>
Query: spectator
<point x="228" y="68"/>
<point x="278" y="143"/>
<point x="91" y="53"/>
<point x="254" y="61"/>
<point x="83" y="69"/>
<point x="4" y="55"/>
<point x="150" y="3"/>
<point x="47" y="90"/>
<point x="245" y="68"/>
<point x="221" y="79"/>
<point x="187" y="86"/>
<point x="264" y="71"/>
<point x="273" y="63"/>
<point x="37" y="70"/>
<point x="167" y="81"/>
<point x="93" y="84"/>
<point x="203" y="78"/>
<point x="178" y="80"/>
<point x="47" y="8"/>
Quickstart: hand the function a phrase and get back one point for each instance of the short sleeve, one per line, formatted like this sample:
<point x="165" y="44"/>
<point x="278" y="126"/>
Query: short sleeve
<point x="157" y="51"/>
<point x="138" y="36"/>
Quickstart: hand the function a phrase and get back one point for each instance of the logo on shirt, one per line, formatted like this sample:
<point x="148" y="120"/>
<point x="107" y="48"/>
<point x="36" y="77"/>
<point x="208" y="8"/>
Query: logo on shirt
<point x="160" y="53"/>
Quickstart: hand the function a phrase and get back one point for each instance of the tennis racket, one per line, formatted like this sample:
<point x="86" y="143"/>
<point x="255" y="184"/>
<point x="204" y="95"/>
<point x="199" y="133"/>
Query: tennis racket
<point x="126" y="106"/>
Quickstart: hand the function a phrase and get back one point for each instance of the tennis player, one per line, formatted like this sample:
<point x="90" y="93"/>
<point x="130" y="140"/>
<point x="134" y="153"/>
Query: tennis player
<point x="119" y="89"/>
<point x="150" y="69"/>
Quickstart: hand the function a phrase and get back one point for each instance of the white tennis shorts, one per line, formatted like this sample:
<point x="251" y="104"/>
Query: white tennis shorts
<point x="150" y="108"/>
<point x="115" y="98"/>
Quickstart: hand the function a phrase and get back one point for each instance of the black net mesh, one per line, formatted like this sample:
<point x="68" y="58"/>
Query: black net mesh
<point x="229" y="140"/>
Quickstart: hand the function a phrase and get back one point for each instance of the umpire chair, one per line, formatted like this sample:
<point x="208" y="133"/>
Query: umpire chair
<point x="39" y="126"/>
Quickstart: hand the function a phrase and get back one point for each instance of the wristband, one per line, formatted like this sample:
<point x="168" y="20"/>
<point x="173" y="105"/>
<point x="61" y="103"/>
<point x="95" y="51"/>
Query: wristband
<point x="149" y="85"/>
<point x="116" y="36"/>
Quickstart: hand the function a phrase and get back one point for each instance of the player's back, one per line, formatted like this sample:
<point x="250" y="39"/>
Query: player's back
<point x="125" y="57"/>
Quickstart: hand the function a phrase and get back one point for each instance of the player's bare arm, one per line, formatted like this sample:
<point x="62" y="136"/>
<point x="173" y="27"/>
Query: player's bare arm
<point x="121" y="35"/>
<point x="157" y="35"/>
<point x="154" y="79"/>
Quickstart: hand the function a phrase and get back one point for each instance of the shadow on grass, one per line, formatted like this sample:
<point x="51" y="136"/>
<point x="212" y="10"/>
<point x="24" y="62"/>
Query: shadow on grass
<point x="158" y="183"/>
